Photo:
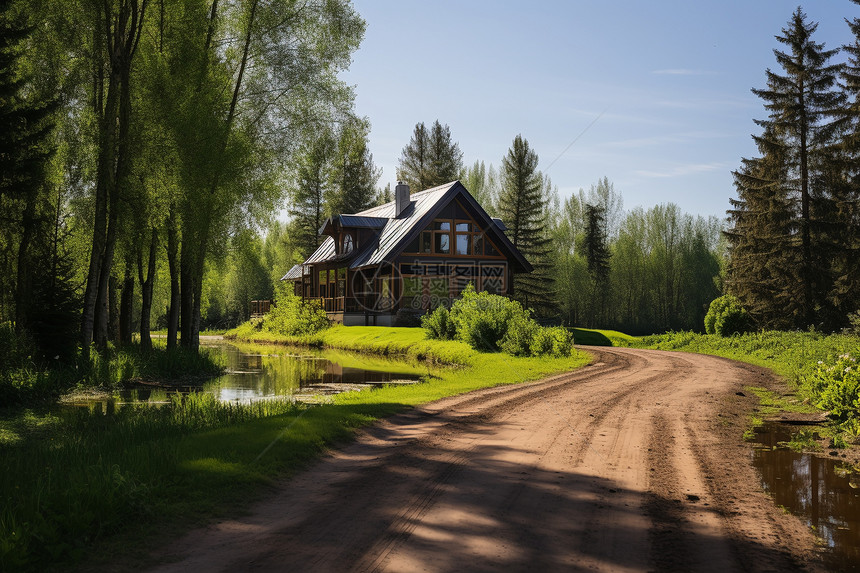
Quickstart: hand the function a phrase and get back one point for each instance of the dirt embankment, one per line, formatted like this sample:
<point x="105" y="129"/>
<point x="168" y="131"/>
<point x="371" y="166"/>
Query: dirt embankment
<point x="631" y="464"/>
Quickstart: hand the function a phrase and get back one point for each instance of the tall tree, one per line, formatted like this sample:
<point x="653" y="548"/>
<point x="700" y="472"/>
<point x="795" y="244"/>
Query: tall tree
<point x="353" y="174"/>
<point x="523" y="206"/>
<point x="846" y="288"/>
<point x="431" y="158"/>
<point x="482" y="183"/>
<point x="116" y="38"/>
<point x="308" y="195"/>
<point x="25" y="148"/>
<point x="801" y="104"/>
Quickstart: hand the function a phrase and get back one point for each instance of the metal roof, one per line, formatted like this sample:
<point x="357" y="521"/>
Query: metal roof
<point x="395" y="232"/>
<point x="294" y="273"/>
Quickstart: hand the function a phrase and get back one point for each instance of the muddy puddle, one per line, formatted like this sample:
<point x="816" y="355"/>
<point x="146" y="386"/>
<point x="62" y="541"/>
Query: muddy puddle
<point x="822" y="491"/>
<point x="272" y="372"/>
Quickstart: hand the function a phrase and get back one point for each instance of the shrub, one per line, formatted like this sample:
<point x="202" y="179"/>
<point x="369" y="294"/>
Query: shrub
<point x="837" y="387"/>
<point x="726" y="317"/>
<point x="482" y="320"/>
<point x="489" y="322"/>
<point x="438" y="324"/>
<point x="520" y="338"/>
<point x="293" y="316"/>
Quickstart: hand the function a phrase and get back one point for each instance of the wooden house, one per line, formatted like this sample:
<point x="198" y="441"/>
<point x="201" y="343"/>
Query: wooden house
<point x="407" y="256"/>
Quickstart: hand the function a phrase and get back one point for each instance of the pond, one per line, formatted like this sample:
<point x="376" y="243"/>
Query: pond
<point x="822" y="491"/>
<point x="257" y="372"/>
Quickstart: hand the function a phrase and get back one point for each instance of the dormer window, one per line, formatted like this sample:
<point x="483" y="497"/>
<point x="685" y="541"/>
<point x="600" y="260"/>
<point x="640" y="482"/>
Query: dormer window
<point x="346" y="244"/>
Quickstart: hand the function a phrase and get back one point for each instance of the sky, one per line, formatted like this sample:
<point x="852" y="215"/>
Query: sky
<point x="655" y="95"/>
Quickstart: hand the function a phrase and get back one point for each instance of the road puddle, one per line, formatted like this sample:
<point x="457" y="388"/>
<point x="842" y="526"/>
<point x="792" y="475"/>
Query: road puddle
<point x="825" y="492"/>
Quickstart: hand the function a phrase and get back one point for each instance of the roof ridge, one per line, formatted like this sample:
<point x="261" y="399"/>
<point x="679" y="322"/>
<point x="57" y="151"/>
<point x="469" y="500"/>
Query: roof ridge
<point x="366" y="212"/>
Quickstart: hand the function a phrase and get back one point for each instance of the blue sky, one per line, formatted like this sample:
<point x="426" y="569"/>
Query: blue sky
<point x="667" y="81"/>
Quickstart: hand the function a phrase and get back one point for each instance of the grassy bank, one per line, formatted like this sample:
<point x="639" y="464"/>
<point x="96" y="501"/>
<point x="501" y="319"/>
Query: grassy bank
<point x="28" y="382"/>
<point x="820" y="368"/>
<point x="77" y="478"/>
<point x="792" y="355"/>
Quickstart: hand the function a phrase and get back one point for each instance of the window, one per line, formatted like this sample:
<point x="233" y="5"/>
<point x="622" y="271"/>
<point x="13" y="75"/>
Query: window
<point x="462" y="245"/>
<point x="347" y="244"/>
<point x="443" y="243"/>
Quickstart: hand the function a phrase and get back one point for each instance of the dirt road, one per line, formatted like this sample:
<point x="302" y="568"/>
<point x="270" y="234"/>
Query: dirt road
<point x="633" y="463"/>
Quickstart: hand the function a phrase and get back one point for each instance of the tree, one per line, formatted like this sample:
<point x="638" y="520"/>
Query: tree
<point x="26" y="146"/>
<point x="353" y="174"/>
<point x="846" y="211"/>
<point x="801" y="104"/>
<point x="430" y="158"/>
<point x="597" y="255"/>
<point x="312" y="181"/>
<point x="523" y="206"/>
<point x="482" y="183"/>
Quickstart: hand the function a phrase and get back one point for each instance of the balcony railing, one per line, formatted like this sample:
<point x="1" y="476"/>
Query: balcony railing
<point x="371" y="303"/>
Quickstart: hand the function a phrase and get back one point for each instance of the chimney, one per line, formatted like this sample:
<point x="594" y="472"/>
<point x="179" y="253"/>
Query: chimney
<point x="401" y="198"/>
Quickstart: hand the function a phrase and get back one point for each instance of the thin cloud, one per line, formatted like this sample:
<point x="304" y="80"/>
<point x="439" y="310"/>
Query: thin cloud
<point x="682" y="170"/>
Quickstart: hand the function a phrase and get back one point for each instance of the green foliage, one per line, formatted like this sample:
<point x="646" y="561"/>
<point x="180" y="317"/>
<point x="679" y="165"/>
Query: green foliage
<point x="294" y="316"/>
<point x="524" y="206"/>
<point x="553" y="341"/>
<point x="489" y="323"/>
<point x="726" y="317"/>
<point x="836" y="385"/>
<point x="430" y="158"/>
<point x="439" y="325"/>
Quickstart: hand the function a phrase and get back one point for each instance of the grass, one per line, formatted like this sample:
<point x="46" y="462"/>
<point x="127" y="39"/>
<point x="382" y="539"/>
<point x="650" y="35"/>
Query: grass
<point x="80" y="479"/>
<point x="594" y="337"/>
<point x="792" y="355"/>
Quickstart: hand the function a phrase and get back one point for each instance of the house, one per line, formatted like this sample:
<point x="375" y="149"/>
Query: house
<point x="407" y="256"/>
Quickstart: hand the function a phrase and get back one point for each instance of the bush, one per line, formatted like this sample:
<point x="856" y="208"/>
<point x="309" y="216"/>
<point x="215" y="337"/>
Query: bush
<point x="520" y="337"/>
<point x="727" y="317"/>
<point x="490" y="323"/>
<point x="555" y="341"/>
<point x="438" y="324"/>
<point x="293" y="316"/>
<point x="482" y="320"/>
<point x="837" y="387"/>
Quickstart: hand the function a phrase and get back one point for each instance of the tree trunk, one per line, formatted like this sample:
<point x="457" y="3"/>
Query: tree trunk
<point x="146" y="287"/>
<point x="187" y="289"/>
<point x="126" y="304"/>
<point x="173" y="265"/>
<point x="24" y="286"/>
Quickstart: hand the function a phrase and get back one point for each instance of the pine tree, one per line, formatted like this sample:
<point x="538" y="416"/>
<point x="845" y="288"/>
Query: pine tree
<point x="597" y="255"/>
<point x="846" y="287"/>
<point x="353" y="174"/>
<point x="522" y="206"/>
<point x="430" y="158"/>
<point x="309" y="209"/>
<point x="800" y="105"/>
<point x="25" y="148"/>
<point x="764" y="257"/>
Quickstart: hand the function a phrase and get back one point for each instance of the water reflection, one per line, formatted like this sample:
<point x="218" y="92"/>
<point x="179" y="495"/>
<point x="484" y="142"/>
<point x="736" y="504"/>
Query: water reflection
<point x="298" y="373"/>
<point x="824" y="492"/>
<point x="263" y="373"/>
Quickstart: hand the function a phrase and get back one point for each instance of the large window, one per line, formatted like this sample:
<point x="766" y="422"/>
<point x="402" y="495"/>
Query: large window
<point x="452" y="237"/>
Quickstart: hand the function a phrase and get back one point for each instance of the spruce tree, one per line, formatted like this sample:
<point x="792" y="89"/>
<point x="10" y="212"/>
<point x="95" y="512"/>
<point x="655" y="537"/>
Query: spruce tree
<point x="801" y="104"/>
<point x="523" y="206"/>
<point x="846" y="287"/>
<point x="764" y="257"/>
<point x="597" y="255"/>
<point x="308" y="195"/>
<point x="353" y="173"/>
<point x="431" y="158"/>
<point x="25" y="148"/>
